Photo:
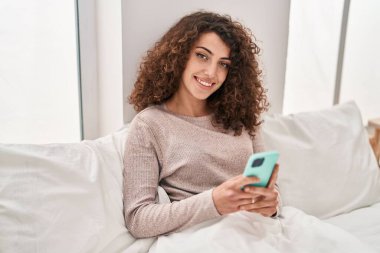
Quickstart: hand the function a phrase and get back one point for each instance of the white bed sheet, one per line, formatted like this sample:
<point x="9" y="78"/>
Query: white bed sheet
<point x="364" y="223"/>
<point x="295" y="232"/>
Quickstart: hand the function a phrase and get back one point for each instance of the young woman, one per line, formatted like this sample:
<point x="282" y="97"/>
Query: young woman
<point x="199" y="96"/>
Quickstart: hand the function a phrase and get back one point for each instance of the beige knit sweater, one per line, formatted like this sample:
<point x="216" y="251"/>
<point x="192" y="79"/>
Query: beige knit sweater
<point x="187" y="156"/>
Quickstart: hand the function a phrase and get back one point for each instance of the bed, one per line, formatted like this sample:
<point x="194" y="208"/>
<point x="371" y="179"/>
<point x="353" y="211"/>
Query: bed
<point x="68" y="197"/>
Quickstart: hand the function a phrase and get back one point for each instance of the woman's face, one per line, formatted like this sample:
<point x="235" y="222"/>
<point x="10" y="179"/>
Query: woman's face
<point x="207" y="67"/>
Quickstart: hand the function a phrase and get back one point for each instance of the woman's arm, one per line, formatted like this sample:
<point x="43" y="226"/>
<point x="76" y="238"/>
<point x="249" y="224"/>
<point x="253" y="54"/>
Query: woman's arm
<point x="144" y="216"/>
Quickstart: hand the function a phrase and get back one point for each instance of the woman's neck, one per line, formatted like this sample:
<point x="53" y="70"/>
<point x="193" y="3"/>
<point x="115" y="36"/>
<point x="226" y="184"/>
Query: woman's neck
<point x="187" y="108"/>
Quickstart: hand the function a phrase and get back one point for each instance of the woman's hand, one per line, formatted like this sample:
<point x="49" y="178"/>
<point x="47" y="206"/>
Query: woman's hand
<point x="228" y="197"/>
<point x="263" y="200"/>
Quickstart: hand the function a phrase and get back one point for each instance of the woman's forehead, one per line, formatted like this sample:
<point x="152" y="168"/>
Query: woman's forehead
<point x="213" y="43"/>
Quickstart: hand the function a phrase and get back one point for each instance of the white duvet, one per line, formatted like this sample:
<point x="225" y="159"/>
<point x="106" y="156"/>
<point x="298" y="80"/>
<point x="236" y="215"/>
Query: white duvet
<point x="248" y="232"/>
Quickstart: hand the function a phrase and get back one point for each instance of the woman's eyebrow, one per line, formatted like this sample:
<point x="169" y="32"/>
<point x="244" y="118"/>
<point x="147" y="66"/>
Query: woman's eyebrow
<point x="209" y="51"/>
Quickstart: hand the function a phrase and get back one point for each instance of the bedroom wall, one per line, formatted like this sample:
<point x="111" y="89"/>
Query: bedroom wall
<point x="109" y="65"/>
<point x="145" y="21"/>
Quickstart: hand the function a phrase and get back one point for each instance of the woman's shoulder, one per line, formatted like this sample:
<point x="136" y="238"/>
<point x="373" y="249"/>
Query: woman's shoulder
<point x="151" y="114"/>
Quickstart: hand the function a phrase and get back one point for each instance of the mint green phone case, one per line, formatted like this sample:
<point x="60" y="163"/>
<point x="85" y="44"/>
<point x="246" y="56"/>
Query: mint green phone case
<point x="261" y="165"/>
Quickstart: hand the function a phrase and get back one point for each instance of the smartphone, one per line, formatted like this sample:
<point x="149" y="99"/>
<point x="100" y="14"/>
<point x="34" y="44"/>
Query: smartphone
<point x="261" y="165"/>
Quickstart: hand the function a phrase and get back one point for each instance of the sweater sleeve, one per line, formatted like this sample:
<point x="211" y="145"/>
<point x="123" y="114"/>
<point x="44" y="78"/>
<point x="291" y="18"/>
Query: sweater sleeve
<point x="144" y="216"/>
<point x="258" y="142"/>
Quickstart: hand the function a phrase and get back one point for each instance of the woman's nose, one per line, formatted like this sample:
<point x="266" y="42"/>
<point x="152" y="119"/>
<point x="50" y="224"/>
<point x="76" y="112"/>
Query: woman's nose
<point x="211" y="70"/>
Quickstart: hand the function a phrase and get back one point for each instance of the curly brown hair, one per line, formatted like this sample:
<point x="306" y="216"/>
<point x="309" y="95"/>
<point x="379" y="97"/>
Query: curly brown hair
<point x="241" y="99"/>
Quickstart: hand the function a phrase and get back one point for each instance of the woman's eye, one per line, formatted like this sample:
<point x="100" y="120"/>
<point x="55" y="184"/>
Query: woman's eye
<point x="201" y="56"/>
<point x="225" y="65"/>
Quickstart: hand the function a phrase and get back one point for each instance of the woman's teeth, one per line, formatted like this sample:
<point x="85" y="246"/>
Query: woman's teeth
<point x="204" y="83"/>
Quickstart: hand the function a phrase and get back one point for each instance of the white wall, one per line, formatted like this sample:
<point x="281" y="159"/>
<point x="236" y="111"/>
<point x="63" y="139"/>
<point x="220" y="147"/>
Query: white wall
<point x="315" y="47"/>
<point x="361" y="75"/>
<point x="39" y="100"/>
<point x="88" y="56"/>
<point x="145" y="21"/>
<point x="101" y="66"/>
<point x="312" y="55"/>
<point x="109" y="60"/>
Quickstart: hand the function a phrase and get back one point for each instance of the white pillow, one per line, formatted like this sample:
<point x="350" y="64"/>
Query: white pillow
<point x="327" y="166"/>
<point x="63" y="197"/>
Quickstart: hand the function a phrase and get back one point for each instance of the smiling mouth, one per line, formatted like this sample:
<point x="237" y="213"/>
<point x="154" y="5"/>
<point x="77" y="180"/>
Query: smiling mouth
<point x="203" y="83"/>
